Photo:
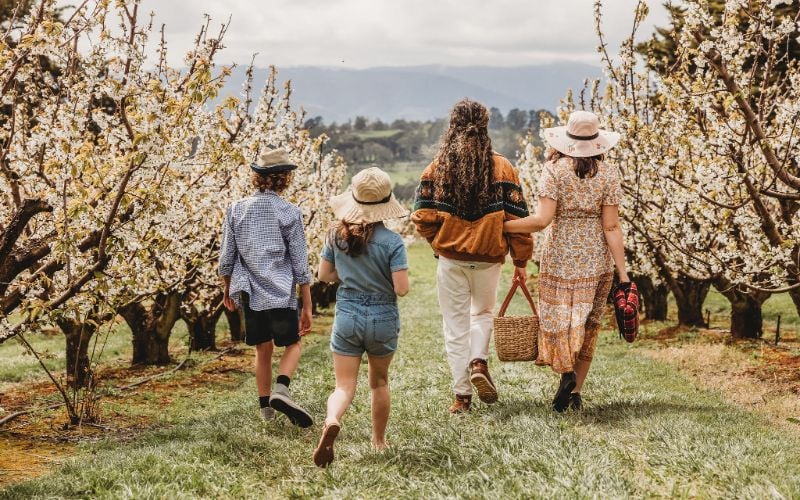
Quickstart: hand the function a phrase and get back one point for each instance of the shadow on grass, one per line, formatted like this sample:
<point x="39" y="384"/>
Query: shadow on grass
<point x="620" y="411"/>
<point x="601" y="414"/>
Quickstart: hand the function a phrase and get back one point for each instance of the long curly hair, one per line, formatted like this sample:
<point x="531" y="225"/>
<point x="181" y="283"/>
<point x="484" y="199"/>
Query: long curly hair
<point x="464" y="175"/>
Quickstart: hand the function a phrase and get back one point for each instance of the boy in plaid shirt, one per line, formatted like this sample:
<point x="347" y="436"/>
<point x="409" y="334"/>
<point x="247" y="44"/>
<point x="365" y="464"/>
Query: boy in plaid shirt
<point x="262" y="260"/>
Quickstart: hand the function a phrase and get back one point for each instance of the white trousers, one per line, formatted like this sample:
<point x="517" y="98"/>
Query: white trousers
<point x="467" y="295"/>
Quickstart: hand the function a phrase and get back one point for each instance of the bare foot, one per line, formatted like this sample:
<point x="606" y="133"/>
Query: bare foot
<point x="380" y="445"/>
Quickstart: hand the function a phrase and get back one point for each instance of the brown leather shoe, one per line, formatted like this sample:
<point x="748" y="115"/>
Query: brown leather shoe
<point x="461" y="404"/>
<point x="480" y="378"/>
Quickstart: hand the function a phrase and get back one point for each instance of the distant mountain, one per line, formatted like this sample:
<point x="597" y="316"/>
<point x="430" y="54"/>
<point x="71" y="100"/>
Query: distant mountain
<point x="421" y="92"/>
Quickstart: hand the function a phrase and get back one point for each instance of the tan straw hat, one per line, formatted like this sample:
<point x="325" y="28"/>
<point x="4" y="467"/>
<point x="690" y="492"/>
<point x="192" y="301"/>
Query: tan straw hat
<point x="273" y="161"/>
<point x="582" y="136"/>
<point x="369" y="199"/>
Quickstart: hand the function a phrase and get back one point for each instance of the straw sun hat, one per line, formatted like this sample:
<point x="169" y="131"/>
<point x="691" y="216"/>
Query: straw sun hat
<point x="369" y="199"/>
<point x="582" y="136"/>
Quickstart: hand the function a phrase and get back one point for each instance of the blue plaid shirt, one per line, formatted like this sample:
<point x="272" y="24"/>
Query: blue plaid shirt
<point x="264" y="251"/>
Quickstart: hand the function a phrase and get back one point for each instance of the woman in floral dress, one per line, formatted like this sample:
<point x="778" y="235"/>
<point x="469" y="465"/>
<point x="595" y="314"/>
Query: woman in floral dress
<point x="580" y="195"/>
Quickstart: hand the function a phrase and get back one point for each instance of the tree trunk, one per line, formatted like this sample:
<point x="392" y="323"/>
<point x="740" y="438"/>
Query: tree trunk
<point x="795" y="296"/>
<point x="323" y="295"/>
<point x="150" y="348"/>
<point x="689" y="299"/>
<point x="746" y="319"/>
<point x="657" y="308"/>
<point x="78" y="335"/>
<point x="202" y="323"/>
<point x="202" y="334"/>
<point x="203" y="329"/>
<point x="689" y="293"/>
<point x="235" y="324"/>
<point x="653" y="298"/>
<point x="151" y="326"/>
<point x="78" y="367"/>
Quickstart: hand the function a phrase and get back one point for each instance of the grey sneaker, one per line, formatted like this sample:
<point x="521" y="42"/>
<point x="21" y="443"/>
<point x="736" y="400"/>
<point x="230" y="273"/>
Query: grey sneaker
<point x="281" y="400"/>
<point x="267" y="413"/>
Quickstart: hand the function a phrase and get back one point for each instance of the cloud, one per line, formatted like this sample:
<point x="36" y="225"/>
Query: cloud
<point x="364" y="33"/>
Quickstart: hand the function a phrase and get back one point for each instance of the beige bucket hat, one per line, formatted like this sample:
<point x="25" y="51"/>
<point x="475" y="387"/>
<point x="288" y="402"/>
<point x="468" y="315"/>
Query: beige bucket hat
<point x="582" y="136"/>
<point x="369" y="199"/>
<point x="273" y="161"/>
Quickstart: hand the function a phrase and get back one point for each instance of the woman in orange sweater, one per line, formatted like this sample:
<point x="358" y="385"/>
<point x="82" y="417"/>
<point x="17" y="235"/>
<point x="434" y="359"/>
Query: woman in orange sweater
<point x="464" y="197"/>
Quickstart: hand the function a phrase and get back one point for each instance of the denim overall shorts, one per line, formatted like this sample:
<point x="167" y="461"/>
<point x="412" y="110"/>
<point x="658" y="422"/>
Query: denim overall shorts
<point x="365" y="322"/>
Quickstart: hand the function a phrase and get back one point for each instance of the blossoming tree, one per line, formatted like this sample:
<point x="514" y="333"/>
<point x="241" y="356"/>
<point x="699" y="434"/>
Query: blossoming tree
<point x="709" y="157"/>
<point x="114" y="173"/>
<point x="89" y="134"/>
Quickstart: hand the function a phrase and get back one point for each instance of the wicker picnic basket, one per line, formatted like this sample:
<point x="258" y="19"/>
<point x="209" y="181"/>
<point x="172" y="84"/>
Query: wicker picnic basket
<point x="516" y="337"/>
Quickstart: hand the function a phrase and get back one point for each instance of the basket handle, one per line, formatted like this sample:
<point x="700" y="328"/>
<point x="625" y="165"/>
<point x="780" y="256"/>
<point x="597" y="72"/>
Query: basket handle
<point x="517" y="282"/>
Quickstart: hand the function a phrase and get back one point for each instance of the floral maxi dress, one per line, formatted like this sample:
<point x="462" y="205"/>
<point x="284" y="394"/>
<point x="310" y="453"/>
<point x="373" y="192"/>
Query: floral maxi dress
<point x="576" y="268"/>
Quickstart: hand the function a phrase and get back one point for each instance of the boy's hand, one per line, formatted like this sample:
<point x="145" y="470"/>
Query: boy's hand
<point x="305" y="321"/>
<point x="229" y="303"/>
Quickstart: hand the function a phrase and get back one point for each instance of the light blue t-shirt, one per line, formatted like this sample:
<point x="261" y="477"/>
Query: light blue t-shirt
<point x="370" y="272"/>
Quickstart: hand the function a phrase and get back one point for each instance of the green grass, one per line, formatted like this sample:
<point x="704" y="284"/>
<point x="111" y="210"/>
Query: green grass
<point x="403" y="172"/>
<point x="19" y="366"/>
<point x="646" y="431"/>
<point x="376" y="134"/>
<point x="777" y="305"/>
<point x="720" y="309"/>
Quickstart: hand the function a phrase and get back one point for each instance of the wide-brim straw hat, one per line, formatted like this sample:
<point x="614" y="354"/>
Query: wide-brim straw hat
<point x="582" y="136"/>
<point x="369" y="199"/>
<point x="273" y="161"/>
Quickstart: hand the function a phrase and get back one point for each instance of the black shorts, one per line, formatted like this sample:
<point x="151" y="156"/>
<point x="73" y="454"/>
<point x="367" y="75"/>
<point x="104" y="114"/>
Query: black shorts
<point x="281" y="326"/>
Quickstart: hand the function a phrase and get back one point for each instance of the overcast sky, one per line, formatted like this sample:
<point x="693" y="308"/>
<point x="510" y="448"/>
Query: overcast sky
<point x="364" y="33"/>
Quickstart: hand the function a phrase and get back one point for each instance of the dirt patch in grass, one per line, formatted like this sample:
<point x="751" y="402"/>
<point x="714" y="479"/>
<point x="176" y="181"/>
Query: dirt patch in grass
<point x="779" y="365"/>
<point x="756" y="375"/>
<point x="33" y="443"/>
<point x="25" y="459"/>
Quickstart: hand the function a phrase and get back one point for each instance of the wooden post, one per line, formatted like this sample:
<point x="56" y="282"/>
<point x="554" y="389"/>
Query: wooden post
<point x="778" y="330"/>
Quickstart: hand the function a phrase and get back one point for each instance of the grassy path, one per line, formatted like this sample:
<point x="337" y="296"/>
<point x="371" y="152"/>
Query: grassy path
<point x="647" y="431"/>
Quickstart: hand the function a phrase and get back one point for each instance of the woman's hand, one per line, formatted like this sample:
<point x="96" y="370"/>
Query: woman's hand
<point x="614" y="239"/>
<point x="521" y="273"/>
<point x="523" y="225"/>
<point x="545" y="211"/>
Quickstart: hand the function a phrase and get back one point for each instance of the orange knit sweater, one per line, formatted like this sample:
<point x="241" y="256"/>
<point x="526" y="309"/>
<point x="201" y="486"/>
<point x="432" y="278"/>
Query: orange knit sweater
<point x="480" y="239"/>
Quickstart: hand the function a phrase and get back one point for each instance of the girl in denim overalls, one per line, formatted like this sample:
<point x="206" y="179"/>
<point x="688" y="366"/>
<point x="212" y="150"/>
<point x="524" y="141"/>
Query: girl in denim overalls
<point x="369" y="262"/>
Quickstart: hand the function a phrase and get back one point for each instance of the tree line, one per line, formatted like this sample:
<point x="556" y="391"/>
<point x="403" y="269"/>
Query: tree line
<point x="362" y="141"/>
